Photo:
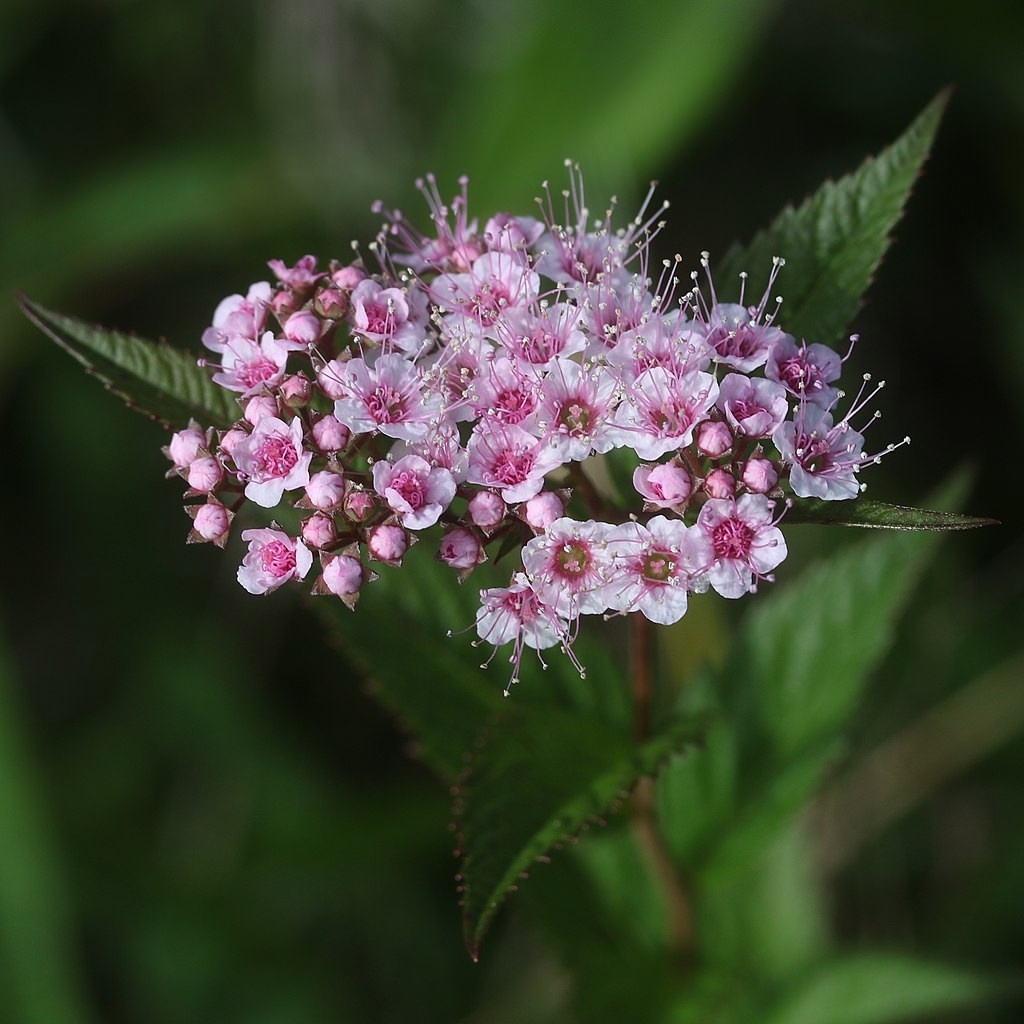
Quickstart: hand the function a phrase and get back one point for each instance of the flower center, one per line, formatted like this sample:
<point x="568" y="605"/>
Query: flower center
<point x="573" y="559"/>
<point x="409" y="486"/>
<point x="255" y="373"/>
<point x="276" y="456"/>
<point x="658" y="566"/>
<point x="278" y="559"/>
<point x="732" y="538"/>
<point x="385" y="404"/>
<point x="513" y="465"/>
<point x="575" y="417"/>
<point x="513" y="405"/>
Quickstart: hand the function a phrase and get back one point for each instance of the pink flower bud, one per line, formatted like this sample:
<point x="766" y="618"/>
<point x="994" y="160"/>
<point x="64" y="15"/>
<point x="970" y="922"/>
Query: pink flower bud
<point x="461" y="548"/>
<point x="210" y="522"/>
<point x="359" y="504"/>
<point x="343" y="575"/>
<point x="664" y="486"/>
<point x="284" y="303"/>
<point x="318" y="531"/>
<point x="387" y="543"/>
<point x="331" y="303"/>
<point x="542" y="510"/>
<point x="325" y="490"/>
<point x="348" y="277"/>
<point x="185" y="446"/>
<point x="205" y="474"/>
<point x="259" y="407"/>
<point x="759" y="476"/>
<point x="233" y="437"/>
<point x="720" y="483"/>
<point x="296" y="391"/>
<point x="330" y="434"/>
<point x="714" y="438"/>
<point x="303" y="327"/>
<point x="330" y="377"/>
<point x="486" y="509"/>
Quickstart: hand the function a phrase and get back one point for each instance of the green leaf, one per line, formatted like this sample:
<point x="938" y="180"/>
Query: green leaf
<point x="880" y="516"/>
<point x="155" y="379"/>
<point x="879" y="989"/>
<point x="539" y="775"/>
<point x="835" y="240"/>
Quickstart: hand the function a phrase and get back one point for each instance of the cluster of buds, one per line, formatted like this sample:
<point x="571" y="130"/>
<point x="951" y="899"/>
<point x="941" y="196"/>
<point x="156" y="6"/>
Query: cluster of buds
<point x="459" y="382"/>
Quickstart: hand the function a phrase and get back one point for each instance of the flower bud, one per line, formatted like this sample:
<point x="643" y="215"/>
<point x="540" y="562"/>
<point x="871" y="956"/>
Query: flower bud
<point x="232" y="437"/>
<point x="185" y="446"/>
<point x="664" y="486"/>
<point x="205" y="474"/>
<point x="348" y="277"/>
<point x="325" y="490"/>
<point x="359" y="504"/>
<point x="759" y="476"/>
<point x="720" y="483"/>
<point x="343" y="575"/>
<point x="486" y="509"/>
<point x="714" y="438"/>
<point x="258" y="407"/>
<point x="296" y="391"/>
<point x="330" y="377"/>
<point x="330" y="434"/>
<point x="542" y="510"/>
<point x="387" y="543"/>
<point x="284" y="303"/>
<point x="303" y="327"/>
<point x="331" y="303"/>
<point x="318" y="531"/>
<point x="461" y="548"/>
<point x="210" y="522"/>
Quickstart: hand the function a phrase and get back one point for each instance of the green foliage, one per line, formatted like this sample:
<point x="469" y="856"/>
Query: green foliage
<point x="879" y="515"/>
<point x="535" y="778"/>
<point x="879" y="988"/>
<point x="834" y="242"/>
<point x="157" y="380"/>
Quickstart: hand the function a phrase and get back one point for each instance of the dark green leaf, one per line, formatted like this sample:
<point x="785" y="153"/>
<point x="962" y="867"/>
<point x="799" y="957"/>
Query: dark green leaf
<point x="835" y="240"/>
<point x="538" y="776"/>
<point x="155" y="379"/>
<point x="875" y="988"/>
<point x="879" y="515"/>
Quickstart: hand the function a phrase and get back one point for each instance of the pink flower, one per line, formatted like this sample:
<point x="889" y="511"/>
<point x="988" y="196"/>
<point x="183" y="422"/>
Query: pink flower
<point x="498" y="281"/>
<point x="662" y="411"/>
<point x="273" y="460"/>
<point x="754" y="408"/>
<point x="389" y="398"/>
<point x="509" y="459"/>
<point x="537" y="337"/>
<point x="575" y="410"/>
<point x="516" y="615"/>
<point x="302" y="276"/>
<point x="744" y="540"/>
<point x="382" y="315"/>
<point x="805" y="370"/>
<point x="239" y="316"/>
<point x="738" y="339"/>
<point x="654" y="567"/>
<point x="415" y="491"/>
<point x="569" y="567"/>
<point x="461" y="549"/>
<point x="273" y="559"/>
<point x="823" y="458"/>
<point x="248" y="366"/>
<point x="504" y="391"/>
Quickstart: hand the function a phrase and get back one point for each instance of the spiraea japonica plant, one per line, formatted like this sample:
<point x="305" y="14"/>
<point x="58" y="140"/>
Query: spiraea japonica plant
<point x="531" y="435"/>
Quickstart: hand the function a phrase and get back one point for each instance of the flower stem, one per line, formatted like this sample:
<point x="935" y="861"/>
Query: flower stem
<point x="675" y="891"/>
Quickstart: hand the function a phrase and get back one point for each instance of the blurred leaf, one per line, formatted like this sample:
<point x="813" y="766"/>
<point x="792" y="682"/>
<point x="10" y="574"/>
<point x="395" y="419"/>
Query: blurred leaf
<point x="538" y="775"/>
<point x="543" y="95"/>
<point x="879" y="515"/>
<point x="877" y="988"/>
<point x="37" y="969"/>
<point x="155" y="379"/>
<point x="835" y="240"/>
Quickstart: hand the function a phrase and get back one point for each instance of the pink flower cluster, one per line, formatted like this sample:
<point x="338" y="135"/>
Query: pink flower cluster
<point x="464" y="380"/>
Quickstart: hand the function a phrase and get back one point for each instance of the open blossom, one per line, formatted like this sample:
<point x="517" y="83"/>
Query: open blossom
<point x="248" y="366"/>
<point x="416" y="491"/>
<point x="570" y="567"/>
<point x="753" y="407"/>
<point x="823" y="458"/>
<point x="656" y="566"/>
<point x="805" y="371"/>
<point x="510" y="459"/>
<point x="498" y="281"/>
<point x="272" y="460"/>
<point x="387" y="397"/>
<point x="239" y="316"/>
<point x="744" y="542"/>
<point x="273" y="558"/>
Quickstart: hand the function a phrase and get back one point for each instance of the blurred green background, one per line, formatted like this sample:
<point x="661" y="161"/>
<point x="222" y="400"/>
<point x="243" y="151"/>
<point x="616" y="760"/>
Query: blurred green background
<point x="203" y="815"/>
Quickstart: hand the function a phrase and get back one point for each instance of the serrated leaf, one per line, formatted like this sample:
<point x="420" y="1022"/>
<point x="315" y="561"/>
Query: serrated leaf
<point x="835" y="240"/>
<point x="879" y="515"/>
<point x="882" y="989"/>
<point x="155" y="379"/>
<point x="539" y="775"/>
